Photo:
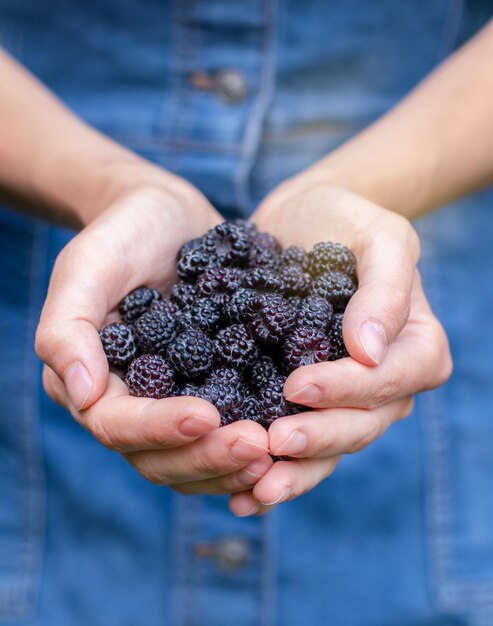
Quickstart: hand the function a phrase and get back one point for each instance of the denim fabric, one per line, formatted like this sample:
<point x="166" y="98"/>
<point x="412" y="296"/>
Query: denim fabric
<point x="402" y="533"/>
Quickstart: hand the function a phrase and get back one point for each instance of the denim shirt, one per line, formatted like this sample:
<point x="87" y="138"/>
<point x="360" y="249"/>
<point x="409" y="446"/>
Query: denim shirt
<point x="235" y="97"/>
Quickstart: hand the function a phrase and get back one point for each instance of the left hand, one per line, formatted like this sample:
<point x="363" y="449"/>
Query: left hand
<point x="397" y="347"/>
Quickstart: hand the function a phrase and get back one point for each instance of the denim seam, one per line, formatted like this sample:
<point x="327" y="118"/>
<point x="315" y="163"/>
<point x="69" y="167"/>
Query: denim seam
<point x="451" y="592"/>
<point x="18" y="600"/>
<point x="268" y="578"/>
<point x="253" y="130"/>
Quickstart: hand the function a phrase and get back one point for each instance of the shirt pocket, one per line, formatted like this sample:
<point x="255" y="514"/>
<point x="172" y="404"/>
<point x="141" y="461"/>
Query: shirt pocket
<point x="21" y="469"/>
<point x="458" y="419"/>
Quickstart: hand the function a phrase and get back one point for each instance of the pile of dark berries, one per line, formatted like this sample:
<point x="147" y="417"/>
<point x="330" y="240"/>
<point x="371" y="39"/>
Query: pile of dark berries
<point x="243" y="316"/>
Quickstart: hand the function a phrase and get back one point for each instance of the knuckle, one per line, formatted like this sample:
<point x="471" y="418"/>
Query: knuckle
<point x="371" y="432"/>
<point x="407" y="408"/>
<point x="96" y="425"/>
<point x="388" y="390"/>
<point x="145" y="466"/>
<point x="45" y="340"/>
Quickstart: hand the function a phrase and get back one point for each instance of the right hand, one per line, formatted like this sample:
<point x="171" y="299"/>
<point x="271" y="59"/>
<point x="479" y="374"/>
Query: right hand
<point x="173" y="441"/>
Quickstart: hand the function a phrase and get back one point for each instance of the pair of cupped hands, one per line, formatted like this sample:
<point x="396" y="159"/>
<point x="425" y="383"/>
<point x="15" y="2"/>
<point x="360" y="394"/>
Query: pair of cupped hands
<point x="396" y="345"/>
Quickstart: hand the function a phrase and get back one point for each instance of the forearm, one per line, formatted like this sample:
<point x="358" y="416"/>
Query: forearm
<point x="52" y="163"/>
<point x="432" y="148"/>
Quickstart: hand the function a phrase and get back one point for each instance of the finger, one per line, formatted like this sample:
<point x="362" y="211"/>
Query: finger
<point x="418" y="359"/>
<point x="236" y="482"/>
<point x="380" y="307"/>
<point x="284" y="481"/>
<point x="332" y="432"/>
<point x="220" y="452"/>
<point x="124" y="423"/>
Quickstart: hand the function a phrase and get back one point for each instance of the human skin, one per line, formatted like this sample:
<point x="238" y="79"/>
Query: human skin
<point x="116" y="183"/>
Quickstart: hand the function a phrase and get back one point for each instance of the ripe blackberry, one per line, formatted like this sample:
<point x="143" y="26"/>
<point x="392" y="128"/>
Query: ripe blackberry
<point x="150" y="376"/>
<point x="191" y="354"/>
<point x="188" y="389"/>
<point x="137" y="302"/>
<point x="261" y="372"/>
<point x="305" y="346"/>
<point x="261" y="279"/>
<point x="270" y="318"/>
<point x="263" y="257"/>
<point x="183" y="295"/>
<point x="250" y="409"/>
<point x="336" y="287"/>
<point x="235" y="346"/>
<point x="218" y="283"/>
<point x="153" y="332"/>
<point x="236" y="308"/>
<point x="225" y="397"/>
<point x="331" y="257"/>
<point x="266" y="240"/>
<point x="272" y="403"/>
<point x="118" y="344"/>
<point x="294" y="255"/>
<point x="314" y="312"/>
<point x="193" y="244"/>
<point x="166" y="305"/>
<point x="229" y="242"/>
<point x="203" y="314"/>
<point x="226" y="375"/>
<point x="249" y="227"/>
<point x="194" y="263"/>
<point x="337" y="346"/>
<point x="295" y="282"/>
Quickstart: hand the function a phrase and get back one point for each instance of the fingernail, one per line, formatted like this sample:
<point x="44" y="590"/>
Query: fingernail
<point x="284" y="496"/>
<point x="294" y="444"/>
<point x="252" y="510"/>
<point x="309" y="394"/>
<point x="373" y="338"/>
<point x="243" y="450"/>
<point x="195" y="425"/>
<point x="78" y="384"/>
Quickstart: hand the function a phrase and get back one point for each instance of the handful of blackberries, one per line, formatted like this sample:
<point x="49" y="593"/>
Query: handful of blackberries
<point x="244" y="314"/>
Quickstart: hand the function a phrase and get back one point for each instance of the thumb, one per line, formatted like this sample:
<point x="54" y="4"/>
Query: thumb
<point x="67" y="338"/>
<point x="380" y="307"/>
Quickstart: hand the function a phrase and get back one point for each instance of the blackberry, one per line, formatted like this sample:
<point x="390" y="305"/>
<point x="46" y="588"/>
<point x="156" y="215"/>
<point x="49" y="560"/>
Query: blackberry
<point x="249" y="227"/>
<point x="331" y="257"/>
<point x="191" y="354"/>
<point x="166" y="305"/>
<point x="203" y="314"/>
<point x="294" y="255"/>
<point x="261" y="279"/>
<point x="226" y="375"/>
<point x="194" y="263"/>
<point x="118" y="344"/>
<point x="236" y="308"/>
<point x="218" y="283"/>
<point x="188" y="389"/>
<point x="225" y="397"/>
<point x="235" y="346"/>
<point x="137" y="302"/>
<point x="296" y="302"/>
<point x="305" y="346"/>
<point x="153" y="331"/>
<point x="295" y="282"/>
<point x="250" y="409"/>
<point x="337" y="346"/>
<point x="229" y="242"/>
<point x="272" y="403"/>
<point x="183" y="295"/>
<point x="336" y="287"/>
<point x="270" y="318"/>
<point x="263" y="257"/>
<point x="261" y="372"/>
<point x="150" y="376"/>
<point x="266" y="240"/>
<point x="193" y="244"/>
<point x="314" y="312"/>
